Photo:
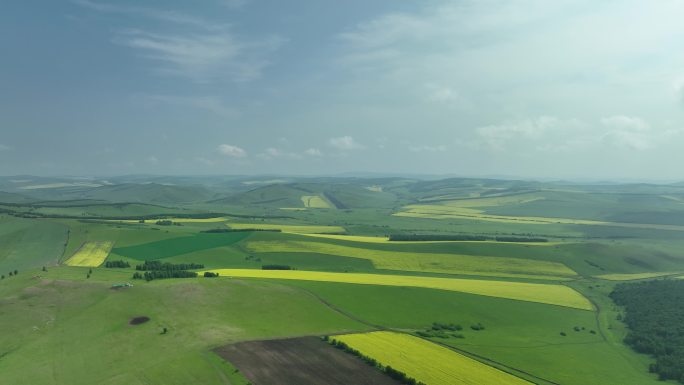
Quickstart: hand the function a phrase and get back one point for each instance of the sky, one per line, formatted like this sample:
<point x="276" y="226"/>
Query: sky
<point x="521" y="88"/>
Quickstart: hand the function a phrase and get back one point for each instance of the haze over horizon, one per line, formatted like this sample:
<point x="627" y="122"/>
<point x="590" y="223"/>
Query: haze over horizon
<point x="534" y="89"/>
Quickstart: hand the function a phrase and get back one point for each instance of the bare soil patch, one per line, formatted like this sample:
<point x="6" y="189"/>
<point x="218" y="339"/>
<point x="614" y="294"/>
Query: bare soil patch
<point x="300" y="361"/>
<point x="138" y="320"/>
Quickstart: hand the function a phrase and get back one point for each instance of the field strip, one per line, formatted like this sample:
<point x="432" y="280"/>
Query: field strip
<point x="315" y="202"/>
<point x="426" y="262"/>
<point x="297" y="229"/>
<point x="445" y="213"/>
<point x="91" y="254"/>
<point x="552" y="294"/>
<point x="385" y="240"/>
<point x="426" y="361"/>
<point x="179" y="220"/>
<point x="634" y="276"/>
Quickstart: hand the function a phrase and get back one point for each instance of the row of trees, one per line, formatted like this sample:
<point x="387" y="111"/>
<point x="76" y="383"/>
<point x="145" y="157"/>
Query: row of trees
<point x="655" y="317"/>
<point x="462" y="237"/>
<point x="160" y="274"/>
<point x="11" y="273"/>
<point x="166" y="266"/>
<point x="117" y="264"/>
<point x="276" y="267"/>
<point x="397" y="375"/>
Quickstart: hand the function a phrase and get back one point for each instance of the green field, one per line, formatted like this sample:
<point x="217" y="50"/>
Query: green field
<point x="544" y="308"/>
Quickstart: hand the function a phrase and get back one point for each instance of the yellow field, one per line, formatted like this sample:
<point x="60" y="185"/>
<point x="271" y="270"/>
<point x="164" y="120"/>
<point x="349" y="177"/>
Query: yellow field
<point x="633" y="276"/>
<point x="426" y="361"/>
<point x="315" y="202"/>
<point x="428" y="262"/>
<point x="91" y="254"/>
<point x="296" y="229"/>
<point x="552" y="294"/>
<point x="457" y="210"/>
<point x="385" y="240"/>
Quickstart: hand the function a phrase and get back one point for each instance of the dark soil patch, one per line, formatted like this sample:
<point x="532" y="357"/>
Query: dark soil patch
<point x="300" y="361"/>
<point x="138" y="320"/>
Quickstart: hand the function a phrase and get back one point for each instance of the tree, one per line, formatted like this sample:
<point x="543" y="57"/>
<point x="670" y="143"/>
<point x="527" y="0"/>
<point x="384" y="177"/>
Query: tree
<point x="164" y="331"/>
<point x="44" y="268"/>
<point x="16" y="272"/>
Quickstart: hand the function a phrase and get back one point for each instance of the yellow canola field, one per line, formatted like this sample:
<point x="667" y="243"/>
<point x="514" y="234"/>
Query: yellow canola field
<point x="315" y="202"/>
<point x="633" y="276"/>
<point x="426" y="361"/>
<point x="297" y="229"/>
<point x="472" y="209"/>
<point x="91" y="254"/>
<point x="552" y="294"/>
<point x="426" y="262"/>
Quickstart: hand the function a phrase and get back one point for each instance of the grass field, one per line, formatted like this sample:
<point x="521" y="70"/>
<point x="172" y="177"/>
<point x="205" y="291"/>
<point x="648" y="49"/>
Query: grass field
<point x="426" y="361"/>
<point x="385" y="240"/>
<point x="297" y="229"/>
<point x="427" y="262"/>
<point x="91" y="254"/>
<point x="315" y="202"/>
<point x="26" y="243"/>
<point x="66" y="330"/>
<point x="551" y="294"/>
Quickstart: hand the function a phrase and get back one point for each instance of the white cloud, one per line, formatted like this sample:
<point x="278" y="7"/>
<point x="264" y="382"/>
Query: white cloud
<point x="152" y="159"/>
<point x="205" y="161"/>
<point x="206" y="103"/>
<point x="425" y="148"/>
<point x="628" y="132"/>
<point x="232" y="151"/>
<point x="345" y="143"/>
<point x="202" y="56"/>
<point x="496" y="136"/>
<point x="4" y="147"/>
<point x="313" y="152"/>
<point x="205" y="51"/>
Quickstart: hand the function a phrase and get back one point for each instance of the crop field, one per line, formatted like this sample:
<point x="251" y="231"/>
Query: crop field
<point x="633" y="276"/>
<point x="385" y="240"/>
<point x="300" y="361"/>
<point x="91" y="254"/>
<point x="475" y="209"/>
<point x="552" y="294"/>
<point x="315" y="202"/>
<point x="427" y="262"/>
<point x="29" y="243"/>
<point x="298" y="229"/>
<point x="426" y="361"/>
<point x="181" y="245"/>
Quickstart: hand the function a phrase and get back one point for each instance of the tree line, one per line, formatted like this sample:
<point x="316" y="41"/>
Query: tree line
<point x="166" y="266"/>
<point x="655" y="317"/>
<point x="461" y="237"/>
<point x="395" y="374"/>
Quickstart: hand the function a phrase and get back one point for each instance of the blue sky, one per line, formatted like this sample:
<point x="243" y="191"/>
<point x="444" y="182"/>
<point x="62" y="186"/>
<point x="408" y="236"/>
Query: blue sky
<point x="563" y="89"/>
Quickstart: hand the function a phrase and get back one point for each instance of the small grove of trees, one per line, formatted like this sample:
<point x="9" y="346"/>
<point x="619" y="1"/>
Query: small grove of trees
<point x="397" y="375"/>
<point x="462" y="237"/>
<point x="209" y="274"/>
<point x="441" y="330"/>
<point x="276" y="267"/>
<point x="655" y="317"/>
<point x="166" y="266"/>
<point x="117" y="264"/>
<point x="164" y="274"/>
